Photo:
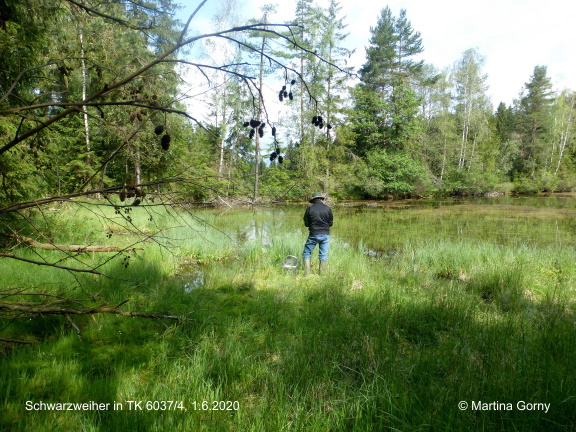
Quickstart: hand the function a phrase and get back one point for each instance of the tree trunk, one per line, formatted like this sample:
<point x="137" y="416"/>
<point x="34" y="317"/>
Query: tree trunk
<point x="257" y="154"/>
<point x="550" y="160"/>
<point x="472" y="153"/>
<point x="137" y="167"/>
<point x="84" y="110"/>
<point x="463" y="146"/>
<point x="302" y="155"/>
<point x="443" y="168"/>
<point x="222" y="143"/>
<point x="328" y="118"/>
<point x="564" y="139"/>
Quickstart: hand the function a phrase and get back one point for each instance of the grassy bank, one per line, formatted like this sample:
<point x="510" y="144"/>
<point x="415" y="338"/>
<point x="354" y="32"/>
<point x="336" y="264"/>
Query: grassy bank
<point x="392" y="340"/>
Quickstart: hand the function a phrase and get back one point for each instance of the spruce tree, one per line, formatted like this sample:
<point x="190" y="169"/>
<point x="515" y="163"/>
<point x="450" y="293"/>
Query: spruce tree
<point x="388" y="78"/>
<point x="504" y="119"/>
<point x="535" y="108"/>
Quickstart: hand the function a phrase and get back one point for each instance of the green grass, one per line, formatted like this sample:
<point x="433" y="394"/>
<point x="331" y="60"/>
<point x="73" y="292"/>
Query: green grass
<point x="386" y="342"/>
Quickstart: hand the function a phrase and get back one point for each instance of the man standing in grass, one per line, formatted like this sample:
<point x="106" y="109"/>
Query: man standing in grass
<point x="318" y="218"/>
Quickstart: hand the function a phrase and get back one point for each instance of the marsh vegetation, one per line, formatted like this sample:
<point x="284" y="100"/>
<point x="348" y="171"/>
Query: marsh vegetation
<point x="425" y="304"/>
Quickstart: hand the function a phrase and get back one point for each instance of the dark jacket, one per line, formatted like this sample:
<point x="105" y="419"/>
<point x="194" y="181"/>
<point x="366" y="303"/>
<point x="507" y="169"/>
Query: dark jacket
<point x="318" y="218"/>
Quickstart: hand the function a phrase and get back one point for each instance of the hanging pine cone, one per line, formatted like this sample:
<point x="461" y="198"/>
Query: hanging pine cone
<point x="293" y="82"/>
<point x="278" y="150"/>
<point x="274" y="131"/>
<point x="165" y="142"/>
<point x="314" y="120"/>
<point x="159" y="129"/>
<point x="290" y="96"/>
<point x="280" y="159"/>
<point x="254" y="123"/>
<point x="246" y="124"/>
<point x="261" y="132"/>
<point x="252" y="132"/>
<point x="273" y="155"/>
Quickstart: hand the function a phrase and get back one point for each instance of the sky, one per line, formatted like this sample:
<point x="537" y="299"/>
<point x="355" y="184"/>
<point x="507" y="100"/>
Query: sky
<point x="514" y="36"/>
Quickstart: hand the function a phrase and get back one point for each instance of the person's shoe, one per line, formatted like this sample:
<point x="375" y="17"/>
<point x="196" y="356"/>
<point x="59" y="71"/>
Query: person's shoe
<point x="306" y="266"/>
<point x="323" y="267"/>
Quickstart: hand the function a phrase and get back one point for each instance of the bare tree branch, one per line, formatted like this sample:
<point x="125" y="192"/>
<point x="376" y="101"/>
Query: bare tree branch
<point x="5" y="255"/>
<point x="112" y="189"/>
<point x="183" y="34"/>
<point x="110" y="87"/>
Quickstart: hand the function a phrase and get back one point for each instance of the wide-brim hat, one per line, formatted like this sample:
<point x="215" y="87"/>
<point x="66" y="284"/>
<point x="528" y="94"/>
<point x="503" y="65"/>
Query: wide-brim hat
<point x="316" y="195"/>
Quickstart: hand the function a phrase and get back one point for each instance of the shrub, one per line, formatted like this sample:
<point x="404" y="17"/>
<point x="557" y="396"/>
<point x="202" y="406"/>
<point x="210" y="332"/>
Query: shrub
<point x="394" y="173"/>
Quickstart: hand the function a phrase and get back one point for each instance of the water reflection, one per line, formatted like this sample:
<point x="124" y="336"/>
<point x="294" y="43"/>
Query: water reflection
<point x="559" y="201"/>
<point x="505" y="220"/>
<point x="193" y="280"/>
<point x="386" y="226"/>
<point x="379" y="254"/>
<point x="264" y="232"/>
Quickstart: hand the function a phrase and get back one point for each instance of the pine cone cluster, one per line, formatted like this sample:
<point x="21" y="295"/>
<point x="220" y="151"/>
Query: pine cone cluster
<point x="318" y="121"/>
<point x="138" y="115"/>
<point x="284" y="93"/>
<point x="131" y="191"/>
<point x="166" y="138"/>
<point x="276" y="154"/>
<point x="165" y="142"/>
<point x="256" y="126"/>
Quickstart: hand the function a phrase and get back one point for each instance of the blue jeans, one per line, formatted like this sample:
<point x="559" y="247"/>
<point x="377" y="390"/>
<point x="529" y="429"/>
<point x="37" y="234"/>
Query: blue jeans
<point x="322" y="240"/>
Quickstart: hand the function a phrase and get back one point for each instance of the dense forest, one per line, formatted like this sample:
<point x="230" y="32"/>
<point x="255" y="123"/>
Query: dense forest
<point x="93" y="97"/>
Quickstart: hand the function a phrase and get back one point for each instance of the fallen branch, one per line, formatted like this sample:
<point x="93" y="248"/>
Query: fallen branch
<point x="37" y="308"/>
<point x="76" y="248"/>
<point x="15" y="341"/>
<point x="221" y="199"/>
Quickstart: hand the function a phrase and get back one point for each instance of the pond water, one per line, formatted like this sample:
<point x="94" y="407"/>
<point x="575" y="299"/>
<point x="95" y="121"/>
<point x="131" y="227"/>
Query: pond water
<point x="384" y="227"/>
<point x="542" y="221"/>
